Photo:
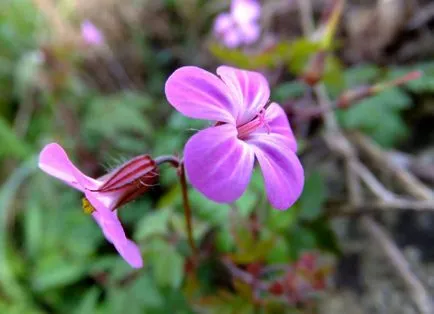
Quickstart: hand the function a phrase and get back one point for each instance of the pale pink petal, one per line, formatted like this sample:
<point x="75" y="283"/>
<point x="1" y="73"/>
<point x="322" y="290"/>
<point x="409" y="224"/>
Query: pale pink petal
<point x="232" y="38"/>
<point x="249" y="89"/>
<point x="245" y="11"/>
<point x="218" y="164"/>
<point x="278" y="126"/>
<point x="281" y="168"/>
<point x="197" y="93"/>
<point x="54" y="161"/>
<point x="114" y="232"/>
<point x="250" y="32"/>
<point x="223" y="23"/>
<point x="91" y="34"/>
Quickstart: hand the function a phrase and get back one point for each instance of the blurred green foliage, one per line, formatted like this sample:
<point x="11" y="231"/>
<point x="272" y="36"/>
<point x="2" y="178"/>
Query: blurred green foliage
<point x="53" y="258"/>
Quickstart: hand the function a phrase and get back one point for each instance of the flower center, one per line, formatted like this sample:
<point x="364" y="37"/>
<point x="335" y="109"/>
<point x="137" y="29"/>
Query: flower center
<point x="259" y="121"/>
<point x="87" y="206"/>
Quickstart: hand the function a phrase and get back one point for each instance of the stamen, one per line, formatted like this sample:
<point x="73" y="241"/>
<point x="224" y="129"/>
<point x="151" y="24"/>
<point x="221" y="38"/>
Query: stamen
<point x="264" y="122"/>
<point x="87" y="206"/>
<point x="257" y="122"/>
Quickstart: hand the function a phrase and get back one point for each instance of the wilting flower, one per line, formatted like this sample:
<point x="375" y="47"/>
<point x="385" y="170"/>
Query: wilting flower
<point x="219" y="160"/>
<point x="91" y="34"/>
<point x="241" y="25"/>
<point x="104" y="195"/>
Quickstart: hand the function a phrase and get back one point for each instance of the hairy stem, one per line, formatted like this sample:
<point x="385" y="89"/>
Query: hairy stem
<point x="187" y="207"/>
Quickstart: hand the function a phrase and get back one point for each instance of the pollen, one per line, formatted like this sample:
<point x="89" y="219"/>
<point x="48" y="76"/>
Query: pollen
<point x="87" y="206"/>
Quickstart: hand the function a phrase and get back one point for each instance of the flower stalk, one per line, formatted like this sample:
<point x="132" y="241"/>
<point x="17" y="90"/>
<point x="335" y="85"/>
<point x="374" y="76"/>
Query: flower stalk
<point x="179" y="165"/>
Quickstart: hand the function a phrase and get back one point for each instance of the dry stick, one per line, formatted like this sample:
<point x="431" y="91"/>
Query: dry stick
<point x="408" y="181"/>
<point x="372" y="182"/>
<point x="417" y="290"/>
<point x="373" y="207"/>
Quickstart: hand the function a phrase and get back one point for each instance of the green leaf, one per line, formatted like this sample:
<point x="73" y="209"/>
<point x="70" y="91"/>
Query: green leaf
<point x="33" y="222"/>
<point x="154" y="223"/>
<point x="301" y="51"/>
<point x="240" y="59"/>
<point x="279" y="253"/>
<point x="282" y="221"/>
<point x="53" y="273"/>
<point x="326" y="238"/>
<point x="333" y="76"/>
<point x="113" y="116"/>
<point x="224" y="241"/>
<point x="300" y="239"/>
<point x="27" y="73"/>
<point x="167" y="264"/>
<point x="288" y="90"/>
<point x="89" y="302"/>
<point x="313" y="197"/>
<point x="12" y="145"/>
<point x="8" y="282"/>
<point x="378" y="116"/>
<point x="365" y="74"/>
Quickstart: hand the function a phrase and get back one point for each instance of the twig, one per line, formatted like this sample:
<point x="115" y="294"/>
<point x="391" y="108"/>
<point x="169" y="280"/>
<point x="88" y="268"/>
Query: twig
<point x="407" y="181"/>
<point x="371" y="181"/>
<point x="305" y="7"/>
<point x="356" y="171"/>
<point x="366" y="208"/>
<point x="417" y="290"/>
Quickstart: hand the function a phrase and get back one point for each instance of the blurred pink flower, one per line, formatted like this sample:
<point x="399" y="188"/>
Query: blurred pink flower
<point x="91" y="34"/>
<point x="219" y="160"/>
<point x="104" y="195"/>
<point x="241" y="25"/>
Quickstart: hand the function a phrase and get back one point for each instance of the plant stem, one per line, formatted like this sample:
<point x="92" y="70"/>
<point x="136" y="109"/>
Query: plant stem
<point x="178" y="164"/>
<point x="187" y="207"/>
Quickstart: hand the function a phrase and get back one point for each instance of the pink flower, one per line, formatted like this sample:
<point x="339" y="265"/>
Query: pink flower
<point x="104" y="195"/>
<point x="240" y="26"/>
<point x="219" y="160"/>
<point x="91" y="34"/>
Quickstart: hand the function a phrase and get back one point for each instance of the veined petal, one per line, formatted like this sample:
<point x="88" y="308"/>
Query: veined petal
<point x="281" y="168"/>
<point x="277" y="126"/>
<point x="245" y="11"/>
<point x="250" y="90"/>
<point x="114" y="232"/>
<point x="218" y="164"/>
<point x="54" y="161"/>
<point x="197" y="93"/>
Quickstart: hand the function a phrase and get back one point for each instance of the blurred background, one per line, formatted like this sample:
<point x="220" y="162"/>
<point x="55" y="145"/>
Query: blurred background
<point x="90" y="75"/>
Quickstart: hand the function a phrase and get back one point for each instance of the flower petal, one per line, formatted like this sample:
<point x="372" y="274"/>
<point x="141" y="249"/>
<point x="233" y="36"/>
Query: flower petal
<point x="250" y="32"/>
<point x="281" y="168"/>
<point x="250" y="90"/>
<point x="223" y="23"/>
<point x="91" y="34"/>
<point x="278" y="126"/>
<point x="232" y="38"/>
<point x="114" y="232"/>
<point x="54" y="161"/>
<point x="218" y="164"/>
<point x="245" y="11"/>
<point x="197" y="93"/>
